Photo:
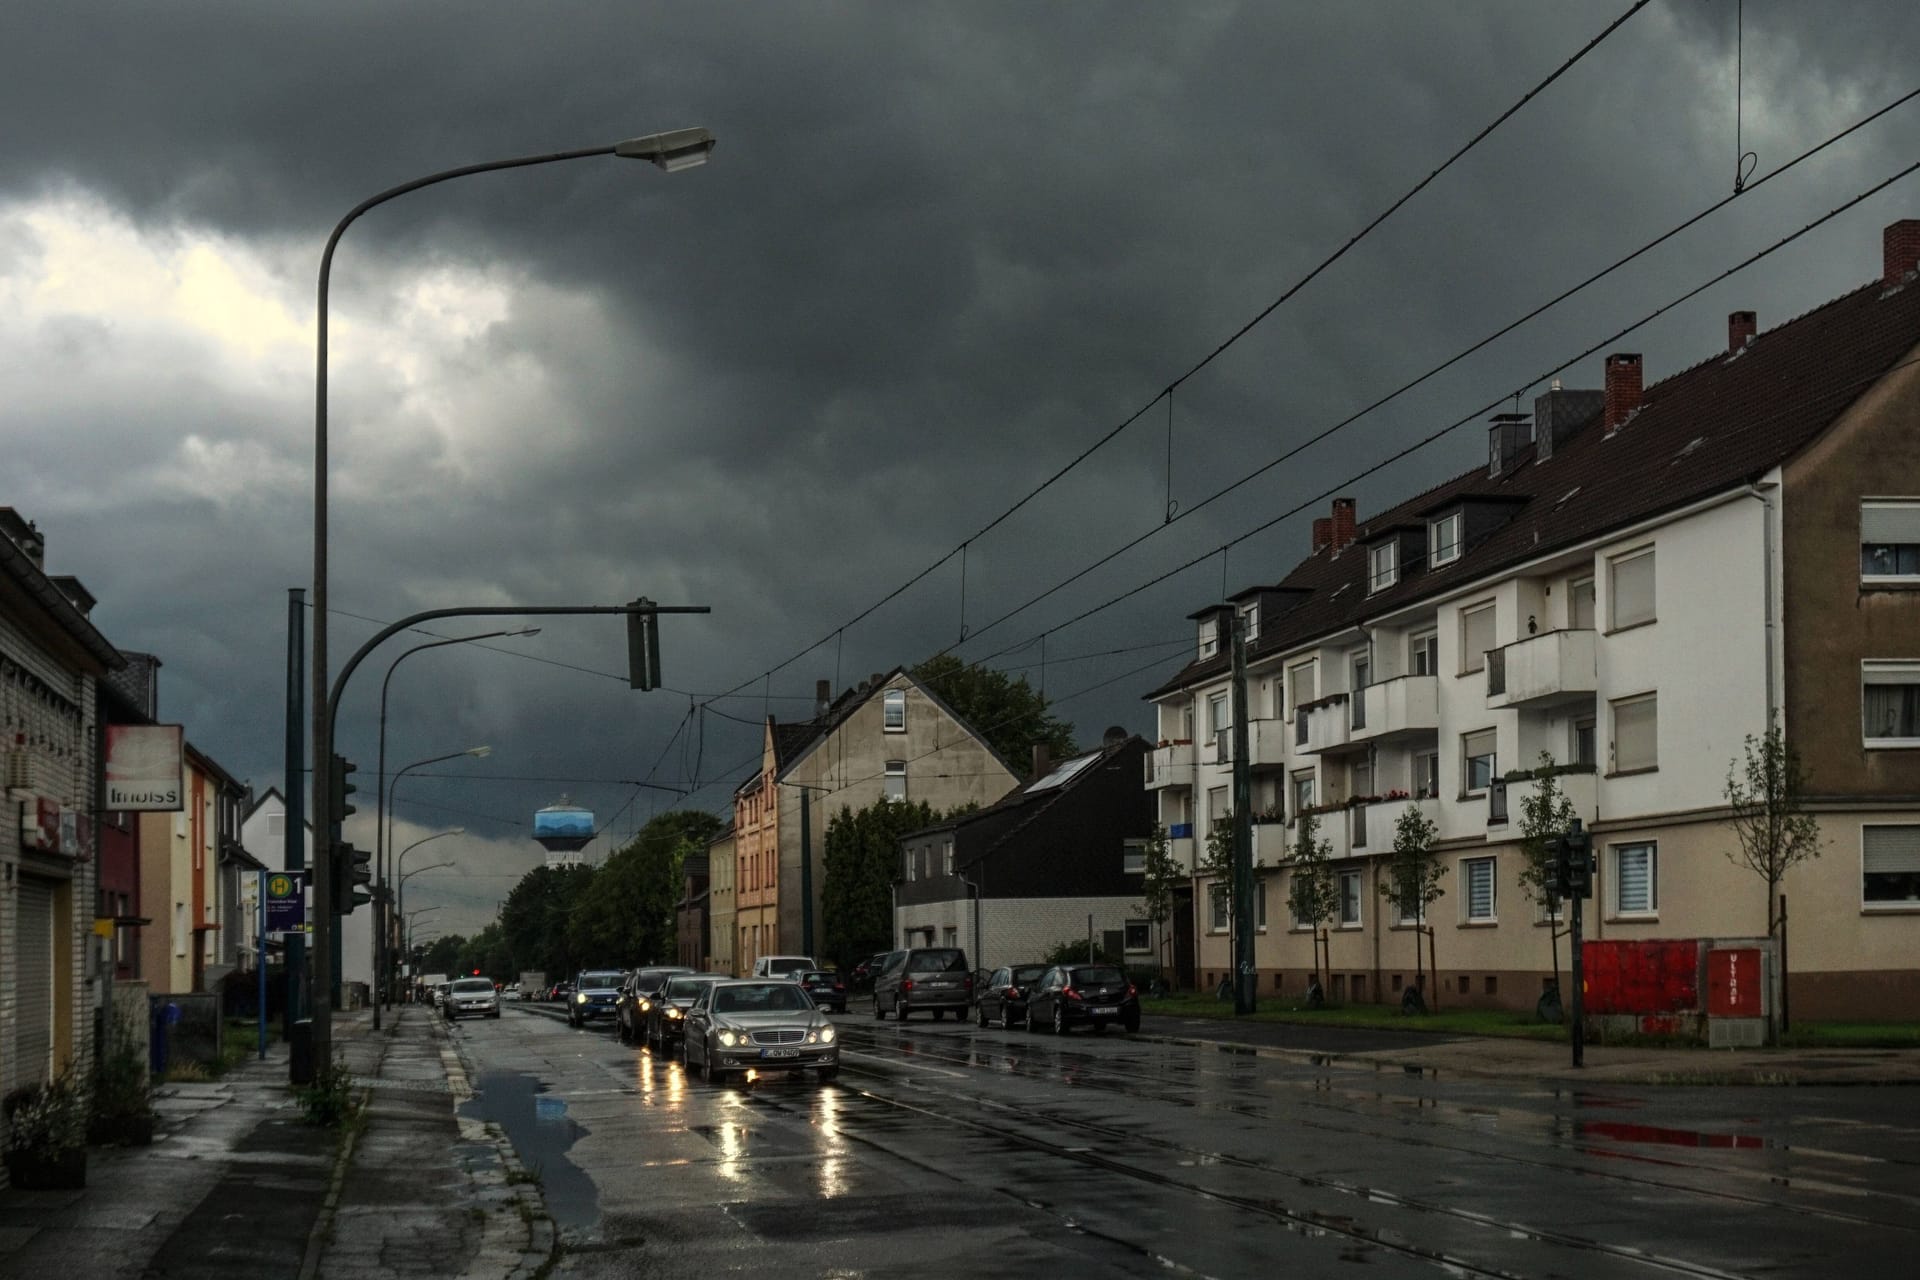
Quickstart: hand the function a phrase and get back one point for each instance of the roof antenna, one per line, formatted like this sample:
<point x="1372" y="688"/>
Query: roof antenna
<point x="1745" y="162"/>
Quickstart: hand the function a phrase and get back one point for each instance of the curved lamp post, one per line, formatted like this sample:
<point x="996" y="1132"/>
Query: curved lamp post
<point x="380" y="957"/>
<point x="673" y="151"/>
<point x="401" y="886"/>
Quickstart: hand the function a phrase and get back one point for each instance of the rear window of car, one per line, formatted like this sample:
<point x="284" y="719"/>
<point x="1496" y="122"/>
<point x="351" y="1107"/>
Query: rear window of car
<point x="816" y="975"/>
<point x="1099" y="975"/>
<point x="785" y="965"/>
<point x="1028" y="972"/>
<point x="470" y="985"/>
<point x="937" y="962"/>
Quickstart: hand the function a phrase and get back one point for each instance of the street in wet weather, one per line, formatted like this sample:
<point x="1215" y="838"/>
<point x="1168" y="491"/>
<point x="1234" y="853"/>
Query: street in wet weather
<point x="943" y="1149"/>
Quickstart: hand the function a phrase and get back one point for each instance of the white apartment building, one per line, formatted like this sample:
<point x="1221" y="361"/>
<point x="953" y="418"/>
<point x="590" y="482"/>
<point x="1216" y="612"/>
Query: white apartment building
<point x="1635" y="581"/>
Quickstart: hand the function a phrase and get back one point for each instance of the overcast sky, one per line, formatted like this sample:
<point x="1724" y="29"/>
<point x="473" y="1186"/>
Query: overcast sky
<point x="938" y="252"/>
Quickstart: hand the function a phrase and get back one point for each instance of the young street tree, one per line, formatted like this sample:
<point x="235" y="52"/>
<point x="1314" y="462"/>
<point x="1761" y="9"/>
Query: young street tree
<point x="1008" y="713"/>
<point x="1163" y="876"/>
<point x="1774" y="831"/>
<point x="1545" y="816"/>
<point x="1413" y="883"/>
<point x="1312" y="893"/>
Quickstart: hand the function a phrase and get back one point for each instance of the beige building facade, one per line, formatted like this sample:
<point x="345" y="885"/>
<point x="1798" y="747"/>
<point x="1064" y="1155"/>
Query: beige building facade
<point x="720" y="903"/>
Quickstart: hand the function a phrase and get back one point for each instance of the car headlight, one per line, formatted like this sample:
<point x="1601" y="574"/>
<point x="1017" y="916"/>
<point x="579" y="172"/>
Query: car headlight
<point x="727" y="1038"/>
<point x="581" y="998"/>
<point x="826" y="1035"/>
<point x="646" y="1006"/>
<point x="675" y="1013"/>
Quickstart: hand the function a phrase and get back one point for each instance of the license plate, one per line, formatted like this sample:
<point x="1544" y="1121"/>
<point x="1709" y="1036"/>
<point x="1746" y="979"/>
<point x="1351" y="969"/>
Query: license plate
<point x="779" y="1053"/>
<point x="1108" y="1010"/>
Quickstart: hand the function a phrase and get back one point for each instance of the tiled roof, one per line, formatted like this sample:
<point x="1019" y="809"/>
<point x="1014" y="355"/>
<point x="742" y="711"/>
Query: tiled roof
<point x="1716" y="426"/>
<point x="1033" y="803"/>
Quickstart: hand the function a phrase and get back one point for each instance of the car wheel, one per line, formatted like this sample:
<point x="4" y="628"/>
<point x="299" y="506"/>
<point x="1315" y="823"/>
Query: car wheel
<point x="1006" y="1016"/>
<point x="1059" y="1019"/>
<point x="879" y="1014"/>
<point x="980" y="1016"/>
<point x="1131" y="1022"/>
<point x="899" y="1010"/>
<point x="1031" y="1029"/>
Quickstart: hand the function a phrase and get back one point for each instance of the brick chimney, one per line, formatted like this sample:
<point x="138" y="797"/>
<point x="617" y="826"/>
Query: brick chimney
<point x="1322" y="533"/>
<point x="1900" y="243"/>
<point x="1741" y="326"/>
<point x="1623" y="388"/>
<point x="1041" y="761"/>
<point x="1342" y="523"/>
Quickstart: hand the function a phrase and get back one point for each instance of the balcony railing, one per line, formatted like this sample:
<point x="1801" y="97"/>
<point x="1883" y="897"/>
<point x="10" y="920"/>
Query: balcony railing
<point x="1496" y="801"/>
<point x="1553" y="667"/>
<point x="1405" y="706"/>
<point x="1170" y="766"/>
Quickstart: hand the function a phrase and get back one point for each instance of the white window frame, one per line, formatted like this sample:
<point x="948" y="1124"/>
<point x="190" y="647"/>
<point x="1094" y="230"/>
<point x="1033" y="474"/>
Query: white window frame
<point x="1651" y="698"/>
<point x="895" y="769"/>
<point x="1219" y="715"/>
<point x="892" y="701"/>
<point x="1259" y="904"/>
<point x="1908" y="672"/>
<point x="1593" y="604"/>
<point x="1133" y="857"/>
<point x="1416" y="784"/>
<point x="1466" y="763"/>
<point x="1493" y="890"/>
<point x="1907" y="505"/>
<point x="1146" y="930"/>
<point x="1359" y="905"/>
<point x="1219" y="908"/>
<point x="1592" y="725"/>
<point x="1882" y="904"/>
<point x="1425" y="644"/>
<point x="946" y="856"/>
<point x="1209" y="637"/>
<point x="1250" y="621"/>
<point x="1295" y="781"/>
<point x="1408" y="919"/>
<point x="1651" y="910"/>
<point x="1383" y="565"/>
<point x="913" y="865"/>
<point x="1301" y="683"/>
<point x="1436" y="545"/>
<point x="1614" y="565"/>
<point x="1471" y="659"/>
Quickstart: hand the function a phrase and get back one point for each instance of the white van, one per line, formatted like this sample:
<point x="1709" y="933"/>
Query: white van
<point x="782" y="966"/>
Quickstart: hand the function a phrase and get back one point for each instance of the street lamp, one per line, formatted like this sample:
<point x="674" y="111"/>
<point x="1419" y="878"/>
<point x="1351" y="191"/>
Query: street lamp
<point x="401" y="905"/>
<point x="380" y="958"/>
<point x="671" y="151"/>
<point x="382" y="871"/>
<point x="400" y="864"/>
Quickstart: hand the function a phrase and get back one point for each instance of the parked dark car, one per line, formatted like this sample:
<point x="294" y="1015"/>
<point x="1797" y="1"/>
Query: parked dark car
<point x="595" y="994"/>
<point x="665" y="1023"/>
<point x="826" y="988"/>
<point x="932" y="978"/>
<point x="559" y="991"/>
<point x="1069" y="995"/>
<point x="861" y="976"/>
<point x="635" y="1001"/>
<point x="1002" y="995"/>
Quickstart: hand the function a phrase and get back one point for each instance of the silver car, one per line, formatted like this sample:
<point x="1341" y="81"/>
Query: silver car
<point x="472" y="998"/>
<point x="756" y="1025"/>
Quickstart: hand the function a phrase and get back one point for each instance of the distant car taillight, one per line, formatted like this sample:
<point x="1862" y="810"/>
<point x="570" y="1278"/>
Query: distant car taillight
<point x="969" y="982"/>
<point x="839" y="986"/>
<point x="1132" y="990"/>
<point x="1012" y="992"/>
<point x="906" y="984"/>
<point x="1070" y="993"/>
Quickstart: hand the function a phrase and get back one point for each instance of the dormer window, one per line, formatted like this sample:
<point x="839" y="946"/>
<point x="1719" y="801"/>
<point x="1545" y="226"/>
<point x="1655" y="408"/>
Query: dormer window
<point x="1443" y="539"/>
<point x="1250" y="621"/>
<point x="1383" y="566"/>
<point x="1209" y="637"/>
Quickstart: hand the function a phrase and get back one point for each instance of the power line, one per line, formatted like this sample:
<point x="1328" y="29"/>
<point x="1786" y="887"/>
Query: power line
<point x="1211" y="356"/>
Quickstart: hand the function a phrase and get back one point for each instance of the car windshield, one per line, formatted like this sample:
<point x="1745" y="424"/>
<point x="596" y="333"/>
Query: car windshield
<point x="1099" y="975"/>
<point x="1028" y="973"/>
<point x="678" y="988"/>
<point x="937" y="962"/>
<point x="473" y="984"/>
<point x="610" y="978"/>
<point x="761" y="997"/>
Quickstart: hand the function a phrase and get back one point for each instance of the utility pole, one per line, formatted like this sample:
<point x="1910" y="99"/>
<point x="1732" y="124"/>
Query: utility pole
<point x="1243" y="912"/>
<point x="806" y="873"/>
<point x="295" y="857"/>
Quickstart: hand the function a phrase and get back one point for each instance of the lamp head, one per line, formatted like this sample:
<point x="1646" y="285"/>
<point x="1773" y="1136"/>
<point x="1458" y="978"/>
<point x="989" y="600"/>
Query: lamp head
<point x="479" y="752"/>
<point x="673" y="151"/>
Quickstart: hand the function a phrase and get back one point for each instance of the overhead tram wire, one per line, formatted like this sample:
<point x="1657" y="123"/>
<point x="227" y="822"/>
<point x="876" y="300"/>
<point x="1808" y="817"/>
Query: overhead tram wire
<point x="1431" y="437"/>
<point x="1217" y="351"/>
<point x="1497" y="334"/>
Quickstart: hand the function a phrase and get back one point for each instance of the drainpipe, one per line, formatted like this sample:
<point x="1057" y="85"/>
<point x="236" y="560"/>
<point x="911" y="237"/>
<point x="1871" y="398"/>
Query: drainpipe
<point x="978" y="962"/>
<point x="1766" y="552"/>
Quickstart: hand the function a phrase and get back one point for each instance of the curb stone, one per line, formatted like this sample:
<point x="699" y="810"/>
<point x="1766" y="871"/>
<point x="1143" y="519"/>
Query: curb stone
<point x="523" y="1191"/>
<point x="323" y="1224"/>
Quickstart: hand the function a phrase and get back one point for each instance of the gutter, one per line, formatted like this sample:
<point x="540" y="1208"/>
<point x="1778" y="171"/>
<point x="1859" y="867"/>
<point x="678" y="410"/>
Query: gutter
<point x="1770" y="630"/>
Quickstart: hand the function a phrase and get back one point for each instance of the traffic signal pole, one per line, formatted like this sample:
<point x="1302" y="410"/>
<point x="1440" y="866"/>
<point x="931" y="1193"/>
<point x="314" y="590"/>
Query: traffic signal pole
<point x="643" y="640"/>
<point x="1243" y="908"/>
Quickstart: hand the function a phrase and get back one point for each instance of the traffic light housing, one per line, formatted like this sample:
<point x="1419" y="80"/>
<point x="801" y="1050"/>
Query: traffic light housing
<point x="1573" y="864"/>
<point x="643" y="646"/>
<point x="339" y="787"/>
<point x="351" y="870"/>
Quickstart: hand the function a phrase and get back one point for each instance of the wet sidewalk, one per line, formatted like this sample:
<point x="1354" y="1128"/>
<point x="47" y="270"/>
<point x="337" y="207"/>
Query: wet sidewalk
<point x="1504" y="1058"/>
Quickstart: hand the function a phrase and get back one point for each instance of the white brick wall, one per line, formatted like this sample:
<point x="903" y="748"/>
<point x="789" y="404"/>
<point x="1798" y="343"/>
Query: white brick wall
<point x="1016" y="930"/>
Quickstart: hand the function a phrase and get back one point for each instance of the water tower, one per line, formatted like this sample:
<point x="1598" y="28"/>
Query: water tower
<point x="563" y="830"/>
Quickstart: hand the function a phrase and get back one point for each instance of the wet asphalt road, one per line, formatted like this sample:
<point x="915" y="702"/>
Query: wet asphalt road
<point x="943" y="1150"/>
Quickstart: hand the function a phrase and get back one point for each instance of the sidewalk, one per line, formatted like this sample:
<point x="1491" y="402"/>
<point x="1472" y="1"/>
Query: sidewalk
<point x="237" y="1185"/>
<point x="1501" y="1058"/>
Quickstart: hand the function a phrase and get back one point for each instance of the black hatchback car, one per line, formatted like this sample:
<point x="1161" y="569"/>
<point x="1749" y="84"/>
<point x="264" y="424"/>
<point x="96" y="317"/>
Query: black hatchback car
<point x="825" y="989"/>
<point x="1001" y="996"/>
<point x="1069" y="995"/>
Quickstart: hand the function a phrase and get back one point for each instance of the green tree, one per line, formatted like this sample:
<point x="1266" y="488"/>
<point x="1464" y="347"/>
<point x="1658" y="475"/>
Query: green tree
<point x="1413" y="879"/>
<point x="1008" y="713"/>
<point x="1546" y="814"/>
<point x="1162" y="877"/>
<point x="860" y="863"/>
<point x="442" y="955"/>
<point x="1074" y="951"/>
<point x="628" y="918"/>
<point x="533" y="920"/>
<point x="1313" y="895"/>
<point x="1774" y="831"/>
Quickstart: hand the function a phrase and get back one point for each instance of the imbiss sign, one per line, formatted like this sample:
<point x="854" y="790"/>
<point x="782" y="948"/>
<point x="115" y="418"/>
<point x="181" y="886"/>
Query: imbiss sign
<point x="144" y="768"/>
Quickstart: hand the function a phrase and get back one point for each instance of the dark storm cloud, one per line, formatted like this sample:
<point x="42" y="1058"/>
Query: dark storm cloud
<point x="939" y="250"/>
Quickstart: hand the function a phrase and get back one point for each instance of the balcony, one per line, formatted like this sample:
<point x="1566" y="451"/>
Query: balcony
<point x="1542" y="670"/>
<point x="1404" y="707"/>
<point x="1170" y="766"/>
<point x="1334" y="826"/>
<point x="1266" y="745"/>
<point x="1328" y="725"/>
<point x="1180" y="847"/>
<point x="1580" y="788"/>
<point x="1370" y="827"/>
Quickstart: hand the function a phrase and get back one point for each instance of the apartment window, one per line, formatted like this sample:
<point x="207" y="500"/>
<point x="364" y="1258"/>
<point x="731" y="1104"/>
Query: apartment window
<point x="1302" y="792"/>
<point x="1139" y="936"/>
<point x="1423" y="653"/>
<point x="1630" y="589"/>
<point x="1890" y="704"/>
<point x="1426" y="774"/>
<point x="1636" y="723"/>
<point x="1443" y="539"/>
<point x="1636" y="879"/>
<point x="1383" y="566"/>
<point x="1890" y="540"/>
<point x="1217" y="716"/>
<point x="1250" y="621"/>
<point x="1259" y="905"/>
<point x="1362" y="667"/>
<point x="1410" y="913"/>
<point x="913" y="865"/>
<point x="1890" y="866"/>
<point x="1477" y="875"/>
<point x="894" y="711"/>
<point x="1217" y="908"/>
<point x="1133" y="857"/>
<point x="946" y="857"/>
<point x="1477" y="759"/>
<point x="950" y="936"/>
<point x="179" y="928"/>
<point x="1299" y="685"/>
<point x="1580" y="605"/>
<point x="1350" y="899"/>
<point x="1581" y="751"/>
<point x="896" y="780"/>
<point x="1209" y="637"/>
<point x="1217" y="808"/>
<point x="1476" y="637"/>
<point x="276" y="825"/>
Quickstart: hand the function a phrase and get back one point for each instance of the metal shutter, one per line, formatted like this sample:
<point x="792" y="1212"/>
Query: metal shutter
<point x="33" y="963"/>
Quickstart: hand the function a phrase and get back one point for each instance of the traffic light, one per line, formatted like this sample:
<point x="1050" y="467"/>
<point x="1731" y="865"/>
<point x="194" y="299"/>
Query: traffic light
<point x="351" y="870"/>
<point x="643" y="647"/>
<point x="339" y="787"/>
<point x="1573" y="863"/>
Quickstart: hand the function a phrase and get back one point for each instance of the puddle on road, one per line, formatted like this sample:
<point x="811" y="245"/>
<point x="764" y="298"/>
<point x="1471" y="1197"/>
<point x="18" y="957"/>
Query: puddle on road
<point x="542" y="1133"/>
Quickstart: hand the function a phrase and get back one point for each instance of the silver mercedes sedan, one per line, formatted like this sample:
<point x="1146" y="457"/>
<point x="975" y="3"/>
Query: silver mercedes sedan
<point x="756" y="1025"/>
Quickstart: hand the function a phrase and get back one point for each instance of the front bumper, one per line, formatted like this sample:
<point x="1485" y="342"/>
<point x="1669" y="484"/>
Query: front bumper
<point x="588" y="1012"/>
<point x="461" y="1010"/>
<point x="741" y="1057"/>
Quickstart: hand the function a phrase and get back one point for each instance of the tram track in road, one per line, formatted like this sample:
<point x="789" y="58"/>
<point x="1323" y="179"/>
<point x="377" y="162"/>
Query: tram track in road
<point x="1263" y="1114"/>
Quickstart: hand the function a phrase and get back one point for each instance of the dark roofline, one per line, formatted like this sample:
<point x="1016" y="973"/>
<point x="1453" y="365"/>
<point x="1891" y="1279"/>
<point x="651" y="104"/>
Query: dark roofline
<point x="35" y="582"/>
<point x="840" y="714"/>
